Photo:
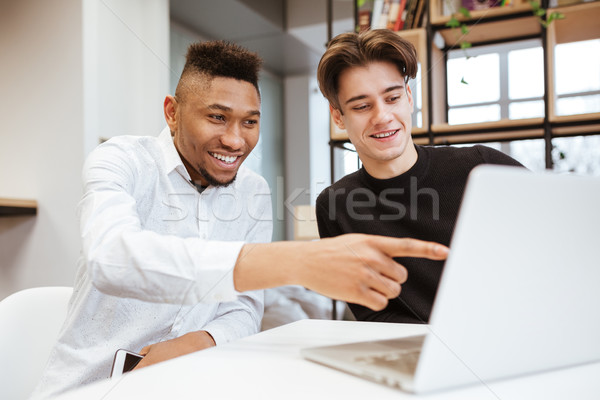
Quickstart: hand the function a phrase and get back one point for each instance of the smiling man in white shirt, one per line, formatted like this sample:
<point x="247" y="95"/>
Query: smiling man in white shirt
<point x="174" y="229"/>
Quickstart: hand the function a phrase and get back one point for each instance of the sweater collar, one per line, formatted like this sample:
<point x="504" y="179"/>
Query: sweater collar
<point x="419" y="170"/>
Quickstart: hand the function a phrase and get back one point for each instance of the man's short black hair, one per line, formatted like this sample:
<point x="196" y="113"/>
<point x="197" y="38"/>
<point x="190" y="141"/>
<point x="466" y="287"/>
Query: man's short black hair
<point x="219" y="58"/>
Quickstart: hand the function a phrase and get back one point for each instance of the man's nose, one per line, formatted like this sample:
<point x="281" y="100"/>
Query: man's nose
<point x="233" y="139"/>
<point x="381" y="114"/>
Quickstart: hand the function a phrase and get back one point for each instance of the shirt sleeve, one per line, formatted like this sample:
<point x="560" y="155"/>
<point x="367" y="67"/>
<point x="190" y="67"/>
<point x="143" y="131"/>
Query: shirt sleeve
<point x="240" y="318"/>
<point x="127" y="261"/>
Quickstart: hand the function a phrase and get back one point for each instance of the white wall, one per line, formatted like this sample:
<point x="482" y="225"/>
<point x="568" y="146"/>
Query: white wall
<point x="306" y="145"/>
<point x="271" y="154"/>
<point x="71" y="72"/>
<point x="126" y="67"/>
<point x="41" y="142"/>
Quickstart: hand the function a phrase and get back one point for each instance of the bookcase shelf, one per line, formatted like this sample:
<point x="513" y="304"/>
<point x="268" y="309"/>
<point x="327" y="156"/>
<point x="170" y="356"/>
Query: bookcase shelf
<point x="581" y="22"/>
<point x="494" y="31"/>
<point x="439" y="18"/>
<point x="14" y="207"/>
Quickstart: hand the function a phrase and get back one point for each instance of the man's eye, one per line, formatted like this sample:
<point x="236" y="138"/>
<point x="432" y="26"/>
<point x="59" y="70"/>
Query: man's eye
<point x="251" y="122"/>
<point x="360" y="108"/>
<point x="394" y="98"/>
<point x="218" y="117"/>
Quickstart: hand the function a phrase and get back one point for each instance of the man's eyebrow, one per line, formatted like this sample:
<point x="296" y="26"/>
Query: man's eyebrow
<point x="359" y="97"/>
<point x="392" y="88"/>
<point x="219" y="107"/>
<point x="224" y="108"/>
<point x="364" y="96"/>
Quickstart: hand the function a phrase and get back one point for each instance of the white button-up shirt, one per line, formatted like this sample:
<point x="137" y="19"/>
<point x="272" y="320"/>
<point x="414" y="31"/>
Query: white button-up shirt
<point x="157" y="259"/>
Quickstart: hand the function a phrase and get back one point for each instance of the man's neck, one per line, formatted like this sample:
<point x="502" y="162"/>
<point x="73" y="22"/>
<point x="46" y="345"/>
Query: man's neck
<point x="393" y="168"/>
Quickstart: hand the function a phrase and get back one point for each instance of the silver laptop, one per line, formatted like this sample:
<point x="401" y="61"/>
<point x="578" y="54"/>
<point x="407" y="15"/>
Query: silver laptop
<point x="520" y="291"/>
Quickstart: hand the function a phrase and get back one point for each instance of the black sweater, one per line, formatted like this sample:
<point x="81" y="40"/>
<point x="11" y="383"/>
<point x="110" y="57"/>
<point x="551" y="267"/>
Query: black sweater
<point x="422" y="203"/>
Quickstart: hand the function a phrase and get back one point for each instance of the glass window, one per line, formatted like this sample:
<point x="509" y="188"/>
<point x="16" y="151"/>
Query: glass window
<point x="503" y="81"/>
<point x="578" y="105"/>
<point x="577" y="78"/>
<point x="473" y="80"/>
<point x="346" y="161"/>
<point x="416" y="88"/>
<point x="474" y="114"/>
<point x="577" y="67"/>
<point x="524" y="80"/>
<point x="579" y="154"/>
<point x="530" y="152"/>
<point x="526" y="109"/>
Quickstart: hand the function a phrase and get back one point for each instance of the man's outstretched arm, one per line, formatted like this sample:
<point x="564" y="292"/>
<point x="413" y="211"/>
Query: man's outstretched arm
<point x="356" y="268"/>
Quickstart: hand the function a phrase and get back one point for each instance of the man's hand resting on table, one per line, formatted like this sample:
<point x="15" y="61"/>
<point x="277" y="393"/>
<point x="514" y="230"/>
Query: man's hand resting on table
<point x="188" y="343"/>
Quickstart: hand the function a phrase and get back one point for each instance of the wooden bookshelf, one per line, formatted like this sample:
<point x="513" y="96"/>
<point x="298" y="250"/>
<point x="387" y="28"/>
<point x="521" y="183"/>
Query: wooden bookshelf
<point x="14" y="207"/>
<point x="438" y="17"/>
<point x="505" y="124"/>
<point x="493" y="31"/>
<point x="577" y="130"/>
<point x="581" y="22"/>
<point x="489" y="136"/>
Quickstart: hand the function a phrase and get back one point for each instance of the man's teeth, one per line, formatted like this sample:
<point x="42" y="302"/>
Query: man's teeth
<point x="386" y="134"/>
<point x="225" y="159"/>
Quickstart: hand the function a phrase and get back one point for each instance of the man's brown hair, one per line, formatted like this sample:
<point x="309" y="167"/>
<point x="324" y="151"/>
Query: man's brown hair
<point x="218" y="59"/>
<point x="349" y="50"/>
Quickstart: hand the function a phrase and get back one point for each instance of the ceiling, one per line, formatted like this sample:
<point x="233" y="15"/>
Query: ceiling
<point x="290" y="35"/>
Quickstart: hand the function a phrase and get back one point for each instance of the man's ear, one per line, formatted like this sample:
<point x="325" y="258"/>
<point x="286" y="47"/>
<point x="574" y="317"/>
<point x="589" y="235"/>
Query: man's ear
<point x="337" y="117"/>
<point x="170" y="109"/>
<point x="410" y="98"/>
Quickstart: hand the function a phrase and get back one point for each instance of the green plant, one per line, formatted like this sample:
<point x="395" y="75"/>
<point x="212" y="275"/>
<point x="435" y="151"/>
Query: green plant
<point x="462" y="12"/>
<point x="540" y="12"/>
<point x="454" y="23"/>
<point x="464" y="29"/>
<point x="536" y="9"/>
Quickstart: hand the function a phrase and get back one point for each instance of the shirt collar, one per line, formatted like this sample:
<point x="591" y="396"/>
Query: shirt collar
<point x="170" y="154"/>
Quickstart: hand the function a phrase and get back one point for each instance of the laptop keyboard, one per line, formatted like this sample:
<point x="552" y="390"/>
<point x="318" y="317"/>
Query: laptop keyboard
<point x="404" y="361"/>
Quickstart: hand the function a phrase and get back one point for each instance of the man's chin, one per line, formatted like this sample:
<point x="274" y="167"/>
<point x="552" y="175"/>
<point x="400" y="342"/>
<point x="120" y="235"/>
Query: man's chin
<point x="214" y="181"/>
<point x="222" y="184"/>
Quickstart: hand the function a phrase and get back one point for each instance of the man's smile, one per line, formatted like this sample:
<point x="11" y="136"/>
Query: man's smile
<point x="224" y="158"/>
<point x="385" y="134"/>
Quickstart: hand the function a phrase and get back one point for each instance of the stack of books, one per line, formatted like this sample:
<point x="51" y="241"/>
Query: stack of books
<point x="396" y="15"/>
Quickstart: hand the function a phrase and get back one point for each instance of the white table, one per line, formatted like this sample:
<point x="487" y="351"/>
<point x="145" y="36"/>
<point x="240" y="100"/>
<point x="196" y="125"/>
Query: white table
<point x="269" y="366"/>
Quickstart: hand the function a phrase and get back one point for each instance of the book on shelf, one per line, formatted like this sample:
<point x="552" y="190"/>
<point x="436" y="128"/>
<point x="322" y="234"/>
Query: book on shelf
<point x="376" y="15"/>
<point x="395" y="15"/>
<point x="472" y="5"/>
<point x="364" y="21"/>
<point x="392" y="14"/>
<point x="385" y="12"/>
<point x="411" y="7"/>
<point x="419" y="14"/>
<point x="364" y="11"/>
<point x="400" y="16"/>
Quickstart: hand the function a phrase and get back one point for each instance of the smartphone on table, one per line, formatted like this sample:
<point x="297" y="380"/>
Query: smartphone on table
<point x="124" y="361"/>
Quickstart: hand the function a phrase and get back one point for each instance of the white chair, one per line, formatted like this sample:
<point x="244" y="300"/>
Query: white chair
<point x="30" y="321"/>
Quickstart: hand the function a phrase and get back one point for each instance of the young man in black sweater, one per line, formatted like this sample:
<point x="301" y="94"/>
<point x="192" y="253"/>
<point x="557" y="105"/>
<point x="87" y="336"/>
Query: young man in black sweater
<point x="402" y="190"/>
